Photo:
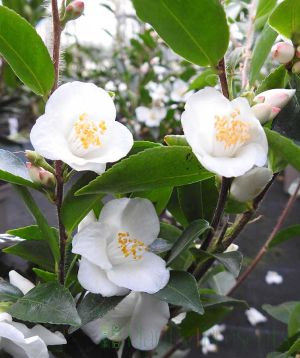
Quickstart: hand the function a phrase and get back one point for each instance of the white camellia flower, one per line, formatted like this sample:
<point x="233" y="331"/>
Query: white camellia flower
<point x="114" y="250"/>
<point x="150" y="116"/>
<point x="225" y="136"/>
<point x="139" y="316"/>
<point x="180" y="91"/>
<point x="249" y="185"/>
<point x="255" y="317"/>
<point x="79" y="128"/>
<point x="21" y="341"/>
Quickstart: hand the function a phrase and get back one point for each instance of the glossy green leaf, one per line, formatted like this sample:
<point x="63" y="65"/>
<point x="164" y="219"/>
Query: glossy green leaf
<point x="47" y="303"/>
<point x="222" y="282"/>
<point x="175" y="209"/>
<point x="281" y="312"/>
<point x="32" y="232"/>
<point x="232" y="261"/>
<point x="206" y="78"/>
<point x="25" y="52"/>
<point x="264" y="9"/>
<point x="285" y="234"/>
<point x="191" y="233"/>
<point x="141" y="145"/>
<point x="210" y="299"/>
<point x="95" y="306"/>
<point x="284" y="148"/>
<point x="75" y="208"/>
<point x="46" y="276"/>
<point x="186" y="26"/>
<point x="37" y="252"/>
<point x="278" y="78"/>
<point x="294" y="321"/>
<point x="169" y="232"/>
<point x="8" y="292"/>
<point x="285" y="19"/>
<point x="13" y="170"/>
<point x="261" y="51"/>
<point x="182" y="290"/>
<point x="151" y="169"/>
<point x="173" y="139"/>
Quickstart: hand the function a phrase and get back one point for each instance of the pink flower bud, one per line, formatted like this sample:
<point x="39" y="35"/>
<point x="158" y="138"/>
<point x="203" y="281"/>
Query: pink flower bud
<point x="276" y="97"/>
<point x="41" y="176"/>
<point x="262" y="112"/>
<point x="283" y="52"/>
<point x="298" y="51"/>
<point x="74" y="10"/>
<point x="296" y="68"/>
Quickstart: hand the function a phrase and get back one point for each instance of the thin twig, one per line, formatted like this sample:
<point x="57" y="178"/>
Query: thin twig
<point x="249" y="42"/>
<point x="221" y="67"/>
<point x="264" y="248"/>
<point x="56" y="42"/>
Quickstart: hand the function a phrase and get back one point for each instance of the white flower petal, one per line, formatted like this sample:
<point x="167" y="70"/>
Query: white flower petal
<point x="90" y="218"/>
<point x="142" y="113"/>
<point x="255" y="317"/>
<point x="137" y="216"/>
<point x="91" y="243"/>
<point x="273" y="277"/>
<point x="50" y="338"/>
<point x="20" y="282"/>
<point x="148" y="274"/>
<point x="94" y="279"/>
<point x="149" y="318"/>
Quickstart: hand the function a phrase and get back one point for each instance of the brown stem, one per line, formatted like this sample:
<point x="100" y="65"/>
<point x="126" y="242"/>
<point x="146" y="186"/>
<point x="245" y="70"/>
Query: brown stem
<point x="56" y="42"/>
<point x="264" y="248"/>
<point x="223" y="78"/>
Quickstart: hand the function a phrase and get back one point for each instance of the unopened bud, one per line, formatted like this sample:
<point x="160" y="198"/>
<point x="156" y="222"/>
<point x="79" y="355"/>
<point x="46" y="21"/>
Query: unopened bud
<point x="38" y="161"/>
<point x="276" y="97"/>
<point x="283" y="52"/>
<point x="298" y="52"/>
<point x="73" y="11"/>
<point x="262" y="112"/>
<point x="41" y="176"/>
<point x="232" y="248"/>
<point x="249" y="185"/>
<point x="296" y="68"/>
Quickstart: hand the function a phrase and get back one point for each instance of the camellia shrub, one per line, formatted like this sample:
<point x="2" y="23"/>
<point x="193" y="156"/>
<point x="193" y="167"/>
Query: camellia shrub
<point x="143" y="258"/>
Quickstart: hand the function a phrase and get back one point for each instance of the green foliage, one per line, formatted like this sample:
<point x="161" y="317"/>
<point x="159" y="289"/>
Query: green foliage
<point x="191" y="233"/>
<point x="186" y="27"/>
<point x="206" y="78"/>
<point x="32" y="232"/>
<point x="169" y="166"/>
<point x="285" y="19"/>
<point x="278" y="78"/>
<point x="264" y="9"/>
<point x="281" y="312"/>
<point x="182" y="290"/>
<point x="47" y="303"/>
<point x="13" y="170"/>
<point x="285" y="234"/>
<point x="261" y="51"/>
<point x="8" y="292"/>
<point x="25" y="52"/>
<point x="294" y="321"/>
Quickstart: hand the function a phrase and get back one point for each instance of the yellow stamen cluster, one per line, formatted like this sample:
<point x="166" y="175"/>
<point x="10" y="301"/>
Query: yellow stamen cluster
<point x="230" y="130"/>
<point x="88" y="132"/>
<point x="131" y="247"/>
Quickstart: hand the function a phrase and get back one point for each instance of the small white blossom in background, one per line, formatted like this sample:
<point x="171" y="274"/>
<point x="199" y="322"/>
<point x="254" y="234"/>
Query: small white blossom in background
<point x="255" y="317"/>
<point x="157" y="92"/>
<point x="20" y="341"/>
<point x="270" y="103"/>
<point x="150" y="116"/>
<point x="179" y="318"/>
<point x="249" y="185"/>
<point x="273" y="277"/>
<point x="214" y="332"/>
<point x="232" y="248"/>
<point x="114" y="250"/>
<point x="144" y="68"/>
<point x="225" y="136"/>
<point x="79" y="128"/>
<point x="139" y="316"/>
<point x="180" y="91"/>
<point x="283" y="52"/>
<point x="293" y="187"/>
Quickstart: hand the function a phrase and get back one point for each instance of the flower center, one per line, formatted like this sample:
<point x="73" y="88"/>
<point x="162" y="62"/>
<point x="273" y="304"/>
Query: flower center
<point x="131" y="247"/>
<point x="230" y="130"/>
<point x="88" y="131"/>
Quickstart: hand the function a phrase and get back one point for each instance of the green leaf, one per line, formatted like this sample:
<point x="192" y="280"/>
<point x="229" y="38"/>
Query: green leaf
<point x="49" y="234"/>
<point x="141" y="145"/>
<point x="278" y="78"/>
<point x="295" y="347"/>
<point x="169" y="232"/>
<point x="75" y="208"/>
<point x="284" y="147"/>
<point x="8" y="292"/>
<point x="287" y="122"/>
<point x="151" y="169"/>
<point x="32" y="232"/>
<point x="281" y="312"/>
<point x="186" y="26"/>
<point x="37" y="252"/>
<point x="195" y="323"/>
<point x="95" y="306"/>
<point x="46" y="276"/>
<point x="235" y="207"/>
<point x="182" y="290"/>
<point x="173" y="139"/>
<point x="191" y="233"/>
<point x="285" y="19"/>
<point x="222" y="282"/>
<point x="261" y="51"/>
<point x="294" y="321"/>
<point x="47" y="303"/>
<point x="264" y="9"/>
<point x="12" y="169"/>
<point x="206" y="78"/>
<point x="285" y="235"/>
<point x="175" y="209"/>
<point x="212" y="299"/>
<point x="25" y="52"/>
<point x="159" y="197"/>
